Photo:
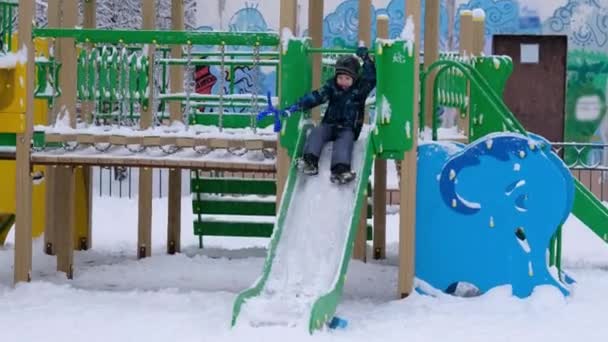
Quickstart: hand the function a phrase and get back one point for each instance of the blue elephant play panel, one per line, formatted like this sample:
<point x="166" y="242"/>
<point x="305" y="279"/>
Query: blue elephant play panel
<point x="486" y="212"/>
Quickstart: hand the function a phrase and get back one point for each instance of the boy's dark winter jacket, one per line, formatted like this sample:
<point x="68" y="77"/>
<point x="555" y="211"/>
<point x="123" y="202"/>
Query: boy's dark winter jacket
<point x="346" y="108"/>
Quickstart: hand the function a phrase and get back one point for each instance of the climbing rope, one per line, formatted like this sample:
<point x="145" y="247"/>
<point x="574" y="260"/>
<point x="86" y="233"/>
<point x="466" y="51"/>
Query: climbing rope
<point x="222" y="81"/>
<point x="254" y="91"/>
<point x="189" y="86"/>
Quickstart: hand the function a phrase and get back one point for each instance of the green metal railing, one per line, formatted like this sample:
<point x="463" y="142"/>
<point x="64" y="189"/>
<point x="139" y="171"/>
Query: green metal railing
<point x="7" y="20"/>
<point x="160" y="37"/>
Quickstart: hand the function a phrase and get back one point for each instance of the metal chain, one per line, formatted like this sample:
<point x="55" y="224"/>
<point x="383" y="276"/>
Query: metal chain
<point x="222" y="80"/>
<point x="189" y="86"/>
<point x="254" y="91"/>
<point x="85" y="91"/>
<point x="157" y="86"/>
<point x="53" y="79"/>
<point x="119" y="81"/>
<point x="95" y="89"/>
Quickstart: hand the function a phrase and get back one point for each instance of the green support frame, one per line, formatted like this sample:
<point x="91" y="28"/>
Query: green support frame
<point x="160" y="37"/>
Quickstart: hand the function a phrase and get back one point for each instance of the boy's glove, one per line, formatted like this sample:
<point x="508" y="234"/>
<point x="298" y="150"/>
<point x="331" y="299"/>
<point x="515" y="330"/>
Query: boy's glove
<point x="362" y="51"/>
<point x="287" y="112"/>
<point x="276" y="113"/>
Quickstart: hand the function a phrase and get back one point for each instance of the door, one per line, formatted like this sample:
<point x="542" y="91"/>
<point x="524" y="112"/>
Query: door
<point x="536" y="91"/>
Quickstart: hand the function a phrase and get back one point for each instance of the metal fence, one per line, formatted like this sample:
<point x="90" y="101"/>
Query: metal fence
<point x="588" y="162"/>
<point x="123" y="182"/>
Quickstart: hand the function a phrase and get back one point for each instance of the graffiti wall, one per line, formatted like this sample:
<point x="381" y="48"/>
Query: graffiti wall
<point x="584" y="21"/>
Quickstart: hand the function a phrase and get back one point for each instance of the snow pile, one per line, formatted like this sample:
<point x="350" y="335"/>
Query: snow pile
<point x="479" y="14"/>
<point x="386" y="110"/>
<point x="190" y="295"/>
<point x="408" y="33"/>
<point x="11" y="59"/>
<point x="62" y="121"/>
<point x="286" y="36"/>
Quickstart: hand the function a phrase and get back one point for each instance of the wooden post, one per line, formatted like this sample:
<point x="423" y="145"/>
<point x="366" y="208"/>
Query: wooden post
<point x="144" y="224"/>
<point x="466" y="30"/>
<point x="288" y="19"/>
<point x="84" y="194"/>
<point x="431" y="54"/>
<point x="175" y="175"/>
<point x="365" y="26"/>
<point x="89" y="21"/>
<point x="451" y="5"/>
<point x="478" y="34"/>
<point x="315" y="30"/>
<point x="23" y="220"/>
<point x="407" y="182"/>
<point x="54" y="20"/>
<point x="465" y="49"/>
<point x="380" y="177"/>
<point x="64" y="207"/>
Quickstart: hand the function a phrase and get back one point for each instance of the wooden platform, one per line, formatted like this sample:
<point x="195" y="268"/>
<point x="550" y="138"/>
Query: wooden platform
<point x="253" y="143"/>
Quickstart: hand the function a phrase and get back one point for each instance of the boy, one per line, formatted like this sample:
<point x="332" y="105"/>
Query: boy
<point x="343" y="119"/>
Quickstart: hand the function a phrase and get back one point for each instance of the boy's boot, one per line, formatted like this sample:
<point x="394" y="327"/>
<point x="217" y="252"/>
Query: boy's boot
<point x="342" y="174"/>
<point x="310" y="165"/>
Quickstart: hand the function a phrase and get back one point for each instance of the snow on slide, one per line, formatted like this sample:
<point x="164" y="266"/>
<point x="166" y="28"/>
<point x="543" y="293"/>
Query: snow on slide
<point x="309" y="255"/>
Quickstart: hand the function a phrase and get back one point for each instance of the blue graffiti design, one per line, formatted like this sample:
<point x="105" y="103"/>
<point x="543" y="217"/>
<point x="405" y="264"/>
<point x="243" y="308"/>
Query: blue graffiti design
<point x="592" y="34"/>
<point x="340" y="28"/>
<point x="502" y="16"/>
<point x="248" y="19"/>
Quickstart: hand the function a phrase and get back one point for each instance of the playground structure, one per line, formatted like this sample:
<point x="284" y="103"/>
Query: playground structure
<point x="130" y="113"/>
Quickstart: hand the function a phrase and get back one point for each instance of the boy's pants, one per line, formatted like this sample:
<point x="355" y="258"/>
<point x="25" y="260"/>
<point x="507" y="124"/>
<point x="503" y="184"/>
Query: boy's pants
<point x="343" y="138"/>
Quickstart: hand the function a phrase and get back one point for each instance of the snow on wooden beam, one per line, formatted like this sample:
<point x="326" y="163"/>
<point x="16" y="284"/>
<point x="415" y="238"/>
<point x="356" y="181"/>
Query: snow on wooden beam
<point x="249" y="143"/>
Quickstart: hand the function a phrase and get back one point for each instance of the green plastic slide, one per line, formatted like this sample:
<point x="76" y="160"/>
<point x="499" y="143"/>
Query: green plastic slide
<point x="6" y="222"/>
<point x="305" y="268"/>
<point x="591" y="211"/>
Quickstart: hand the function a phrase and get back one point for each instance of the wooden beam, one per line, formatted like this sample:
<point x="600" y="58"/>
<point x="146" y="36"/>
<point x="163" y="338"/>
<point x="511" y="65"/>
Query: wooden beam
<point x="407" y="182"/>
<point x="65" y="202"/>
<point x="175" y="175"/>
<point x="89" y="22"/>
<point x="465" y="34"/>
<point x="287" y="19"/>
<point x="365" y="30"/>
<point x="23" y="217"/>
<point x="84" y="194"/>
<point x="478" y="35"/>
<point x="315" y="31"/>
<point x="54" y="20"/>
<point x="144" y="224"/>
<point x="154" y="162"/>
<point x="431" y="54"/>
<point x="379" y="241"/>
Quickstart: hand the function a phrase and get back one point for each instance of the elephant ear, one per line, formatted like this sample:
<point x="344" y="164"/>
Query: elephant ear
<point x="500" y="146"/>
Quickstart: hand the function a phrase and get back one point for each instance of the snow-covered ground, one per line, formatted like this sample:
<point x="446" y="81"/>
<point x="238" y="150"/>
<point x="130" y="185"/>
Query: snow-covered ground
<point x="189" y="297"/>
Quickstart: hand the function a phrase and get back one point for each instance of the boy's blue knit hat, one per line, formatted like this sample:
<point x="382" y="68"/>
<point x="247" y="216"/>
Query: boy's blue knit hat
<point x="348" y="65"/>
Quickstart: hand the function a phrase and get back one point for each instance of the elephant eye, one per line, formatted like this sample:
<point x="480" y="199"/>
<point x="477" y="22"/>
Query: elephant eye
<point x="521" y="238"/>
<point x="520" y="233"/>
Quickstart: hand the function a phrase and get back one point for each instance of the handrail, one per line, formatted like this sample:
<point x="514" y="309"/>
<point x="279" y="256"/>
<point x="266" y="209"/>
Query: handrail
<point x="477" y="80"/>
